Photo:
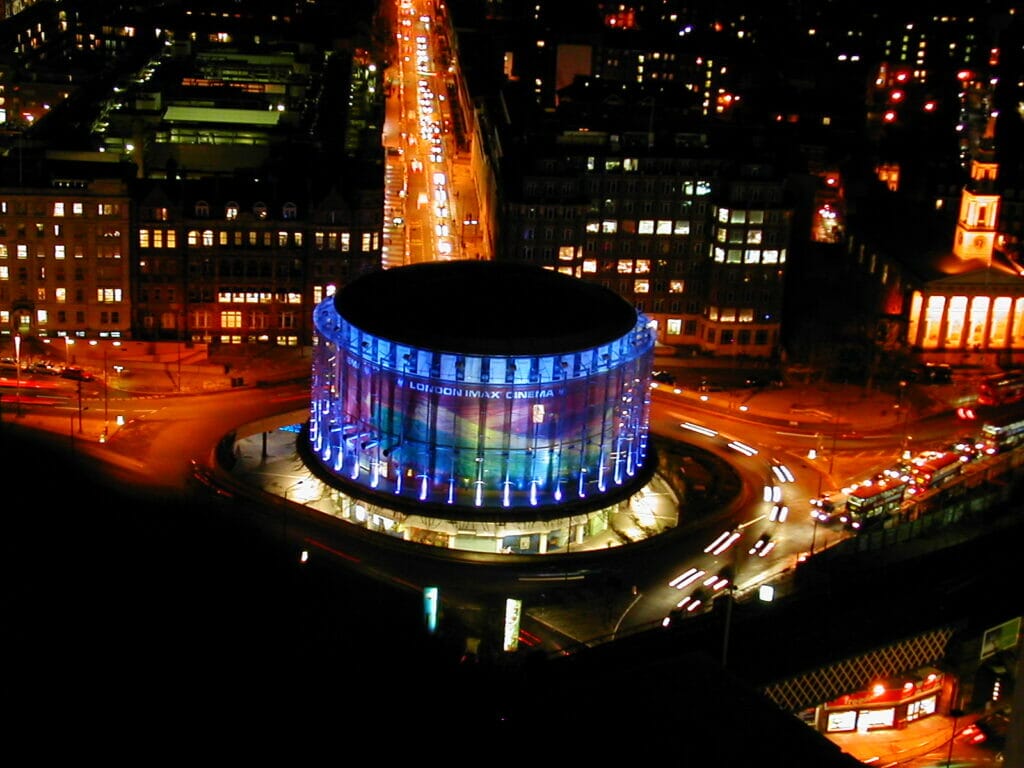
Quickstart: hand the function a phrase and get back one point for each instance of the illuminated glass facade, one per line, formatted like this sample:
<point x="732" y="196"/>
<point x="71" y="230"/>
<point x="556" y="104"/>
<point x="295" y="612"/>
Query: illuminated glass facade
<point x="452" y="425"/>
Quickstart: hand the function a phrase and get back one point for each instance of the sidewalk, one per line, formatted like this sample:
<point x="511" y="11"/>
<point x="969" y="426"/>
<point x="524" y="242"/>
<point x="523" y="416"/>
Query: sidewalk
<point x="892" y="747"/>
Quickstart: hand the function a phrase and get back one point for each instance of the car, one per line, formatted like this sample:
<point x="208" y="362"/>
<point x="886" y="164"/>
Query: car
<point x="989" y="730"/>
<point x="78" y="373"/>
<point x="8" y="364"/>
<point x="762" y="546"/>
<point x="664" y="377"/>
<point x="45" y="367"/>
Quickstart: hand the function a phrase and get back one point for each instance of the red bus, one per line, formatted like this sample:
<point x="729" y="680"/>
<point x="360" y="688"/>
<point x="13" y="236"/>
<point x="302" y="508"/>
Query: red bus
<point x="934" y="471"/>
<point x="1002" y="388"/>
<point x="874" y="502"/>
<point x="31" y="392"/>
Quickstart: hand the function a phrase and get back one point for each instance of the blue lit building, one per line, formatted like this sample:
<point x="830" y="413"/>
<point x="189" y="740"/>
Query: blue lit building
<point x="484" y="393"/>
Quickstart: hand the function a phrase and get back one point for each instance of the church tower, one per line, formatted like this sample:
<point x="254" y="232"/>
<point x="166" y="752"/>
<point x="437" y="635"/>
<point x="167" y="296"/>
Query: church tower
<point x="979" y="205"/>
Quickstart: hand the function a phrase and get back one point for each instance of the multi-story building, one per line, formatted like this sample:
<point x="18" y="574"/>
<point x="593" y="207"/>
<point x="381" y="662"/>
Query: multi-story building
<point x="250" y="187"/>
<point x="65" y="253"/>
<point x="245" y="263"/>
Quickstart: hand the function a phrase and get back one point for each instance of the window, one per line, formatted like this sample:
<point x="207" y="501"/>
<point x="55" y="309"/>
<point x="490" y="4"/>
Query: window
<point x="641" y="286"/>
<point x="108" y="295"/>
<point x="208" y="237"/>
<point x="624" y="266"/>
<point x="231" y="211"/>
<point x="664" y="227"/>
<point x="609" y="226"/>
<point x="231" y="319"/>
<point x="259" y="210"/>
<point x="289" y="211"/>
<point x="58" y="209"/>
<point x="77" y="209"/>
<point x="143" y="238"/>
<point x="676" y="286"/>
<point x="22" y="251"/>
<point x="646" y="227"/>
<point x="202" y="208"/>
<point x="61" y="295"/>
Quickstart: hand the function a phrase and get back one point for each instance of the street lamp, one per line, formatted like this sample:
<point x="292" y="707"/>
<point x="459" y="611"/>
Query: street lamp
<point x="17" y="368"/>
<point x="956" y="714"/>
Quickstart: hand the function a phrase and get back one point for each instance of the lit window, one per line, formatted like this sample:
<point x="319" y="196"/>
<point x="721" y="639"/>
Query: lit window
<point x="770" y="257"/>
<point x="22" y="251"/>
<point x="143" y="238"/>
<point x="624" y="266"/>
<point x="590" y="266"/>
<point x="675" y="286"/>
<point x="609" y="226"/>
<point x="641" y="286"/>
<point x="723" y="215"/>
<point x="754" y="236"/>
<point x="733" y="256"/>
<point x="681" y="228"/>
<point x="566" y="253"/>
<point x="643" y="266"/>
<point x="58" y="209"/>
<point x="58" y="252"/>
<point x="77" y="208"/>
<point x="593" y="226"/>
<point x="208" y="237"/>
<point x="664" y="227"/>
<point x="738" y="217"/>
<point x="752" y="256"/>
<point x="231" y="211"/>
<point x="231" y="319"/>
<point x="646" y="227"/>
<point x="61" y="295"/>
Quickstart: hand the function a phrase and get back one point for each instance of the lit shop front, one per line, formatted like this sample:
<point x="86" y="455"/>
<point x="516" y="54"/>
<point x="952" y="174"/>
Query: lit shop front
<point x="886" y="704"/>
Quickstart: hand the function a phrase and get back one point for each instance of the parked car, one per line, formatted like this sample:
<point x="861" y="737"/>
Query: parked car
<point x="664" y="377"/>
<point x="77" y="372"/>
<point x="8" y="364"/>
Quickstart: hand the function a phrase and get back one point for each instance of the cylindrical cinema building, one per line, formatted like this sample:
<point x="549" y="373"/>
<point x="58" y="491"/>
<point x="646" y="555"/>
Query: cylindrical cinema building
<point x="473" y="390"/>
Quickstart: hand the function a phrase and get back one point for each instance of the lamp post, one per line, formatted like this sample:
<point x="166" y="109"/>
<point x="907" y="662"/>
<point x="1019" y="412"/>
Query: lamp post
<point x="68" y="343"/>
<point x="956" y="714"/>
<point x="17" y="368"/>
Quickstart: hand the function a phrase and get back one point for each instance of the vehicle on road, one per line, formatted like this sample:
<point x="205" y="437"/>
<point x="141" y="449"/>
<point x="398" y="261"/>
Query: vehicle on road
<point x="77" y="373"/>
<point x="874" y="503"/>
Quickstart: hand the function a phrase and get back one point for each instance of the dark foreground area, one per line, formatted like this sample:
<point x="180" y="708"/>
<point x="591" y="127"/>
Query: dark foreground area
<point x="174" y="624"/>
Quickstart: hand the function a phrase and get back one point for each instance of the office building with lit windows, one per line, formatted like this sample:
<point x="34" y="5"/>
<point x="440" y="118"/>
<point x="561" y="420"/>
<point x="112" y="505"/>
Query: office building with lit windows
<point x="482" y="405"/>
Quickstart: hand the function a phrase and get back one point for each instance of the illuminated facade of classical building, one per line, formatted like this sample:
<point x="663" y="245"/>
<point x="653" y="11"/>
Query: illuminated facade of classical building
<point x="483" y="392"/>
<point x="979" y="305"/>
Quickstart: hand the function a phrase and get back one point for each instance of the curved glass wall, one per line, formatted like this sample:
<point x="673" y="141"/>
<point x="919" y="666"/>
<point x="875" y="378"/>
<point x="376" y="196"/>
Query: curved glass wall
<point x="479" y="431"/>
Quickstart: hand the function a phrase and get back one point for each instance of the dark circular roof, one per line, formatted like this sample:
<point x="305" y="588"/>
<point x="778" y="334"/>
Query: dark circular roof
<point x="485" y="307"/>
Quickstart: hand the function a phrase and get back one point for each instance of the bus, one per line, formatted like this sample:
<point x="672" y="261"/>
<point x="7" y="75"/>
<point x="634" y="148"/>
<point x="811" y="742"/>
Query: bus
<point x="874" y="502"/>
<point x="934" y="469"/>
<point x="1002" y="388"/>
<point x="1002" y="434"/>
<point x="31" y="392"/>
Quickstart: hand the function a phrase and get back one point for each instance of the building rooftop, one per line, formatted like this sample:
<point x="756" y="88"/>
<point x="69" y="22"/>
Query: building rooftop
<point x="482" y="307"/>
